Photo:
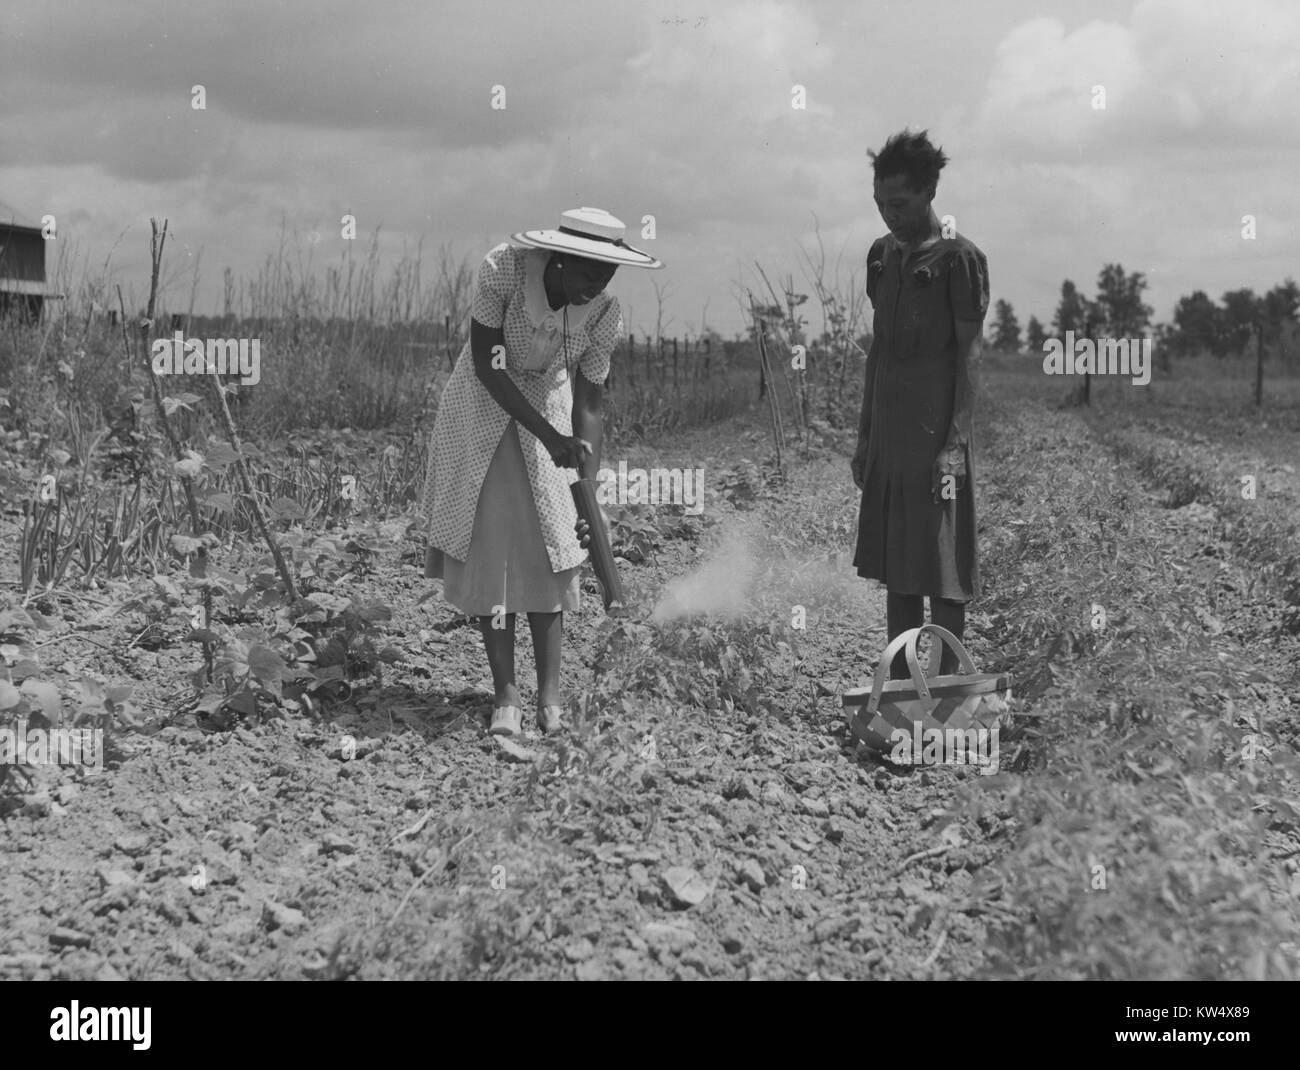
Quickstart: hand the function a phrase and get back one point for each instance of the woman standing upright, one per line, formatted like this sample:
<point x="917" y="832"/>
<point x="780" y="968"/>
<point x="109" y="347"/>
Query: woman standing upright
<point x="929" y="291"/>
<point x="523" y="404"/>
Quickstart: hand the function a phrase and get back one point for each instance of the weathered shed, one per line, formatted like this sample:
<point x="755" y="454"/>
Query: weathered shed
<point x="23" y="289"/>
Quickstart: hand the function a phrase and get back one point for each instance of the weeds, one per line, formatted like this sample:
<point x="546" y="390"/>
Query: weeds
<point x="27" y="699"/>
<point x="1141" y="800"/>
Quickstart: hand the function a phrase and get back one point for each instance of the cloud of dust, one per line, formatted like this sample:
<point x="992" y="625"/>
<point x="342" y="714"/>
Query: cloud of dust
<point x="745" y="567"/>
<point x="719" y="587"/>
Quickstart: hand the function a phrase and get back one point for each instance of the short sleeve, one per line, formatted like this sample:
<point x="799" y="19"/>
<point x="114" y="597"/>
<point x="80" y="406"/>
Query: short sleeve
<point x="875" y="268"/>
<point x="494" y="285"/>
<point x="602" y="336"/>
<point x="968" y="284"/>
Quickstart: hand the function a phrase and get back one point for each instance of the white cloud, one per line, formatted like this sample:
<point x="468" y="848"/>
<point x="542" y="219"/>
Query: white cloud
<point x="316" y="108"/>
<point x="1179" y="74"/>
<point x="1199" y="128"/>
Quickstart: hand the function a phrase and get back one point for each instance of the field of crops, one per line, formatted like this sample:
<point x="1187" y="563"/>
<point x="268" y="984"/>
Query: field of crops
<point x="298" y="783"/>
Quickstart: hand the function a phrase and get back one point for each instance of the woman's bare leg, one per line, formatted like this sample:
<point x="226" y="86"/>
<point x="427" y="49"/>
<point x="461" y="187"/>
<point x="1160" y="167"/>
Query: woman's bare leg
<point x="500" y="645"/>
<point x="548" y="636"/>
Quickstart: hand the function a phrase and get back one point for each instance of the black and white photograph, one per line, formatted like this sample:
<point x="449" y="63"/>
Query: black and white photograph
<point x="702" y="490"/>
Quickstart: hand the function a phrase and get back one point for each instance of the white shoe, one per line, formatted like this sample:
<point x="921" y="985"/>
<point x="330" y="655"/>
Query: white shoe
<point x="506" y="721"/>
<point x="549" y="719"/>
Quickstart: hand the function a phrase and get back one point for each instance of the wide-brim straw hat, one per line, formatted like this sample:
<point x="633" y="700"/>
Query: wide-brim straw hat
<point x="592" y="233"/>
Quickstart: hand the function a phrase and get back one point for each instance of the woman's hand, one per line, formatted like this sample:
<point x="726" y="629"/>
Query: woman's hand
<point x="584" y="532"/>
<point x="950" y="462"/>
<point x="859" y="464"/>
<point x="568" y="451"/>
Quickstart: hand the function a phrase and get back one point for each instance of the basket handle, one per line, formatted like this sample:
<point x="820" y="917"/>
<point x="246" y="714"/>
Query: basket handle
<point x="907" y="641"/>
<point x="964" y="660"/>
<point x="899" y="642"/>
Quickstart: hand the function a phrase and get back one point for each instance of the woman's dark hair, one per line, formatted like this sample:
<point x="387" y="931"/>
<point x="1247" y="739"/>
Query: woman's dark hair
<point x="911" y="155"/>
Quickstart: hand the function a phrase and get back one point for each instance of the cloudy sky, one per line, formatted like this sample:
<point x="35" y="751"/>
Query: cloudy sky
<point x="678" y="109"/>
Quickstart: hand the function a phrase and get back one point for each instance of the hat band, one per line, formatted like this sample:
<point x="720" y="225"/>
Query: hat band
<point x="594" y="237"/>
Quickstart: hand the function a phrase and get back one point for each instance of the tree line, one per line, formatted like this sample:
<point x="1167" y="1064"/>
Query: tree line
<point x="1200" y="324"/>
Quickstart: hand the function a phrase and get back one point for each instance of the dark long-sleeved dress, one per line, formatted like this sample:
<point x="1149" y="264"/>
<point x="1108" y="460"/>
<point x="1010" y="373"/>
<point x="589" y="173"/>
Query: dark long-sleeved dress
<point x="905" y="540"/>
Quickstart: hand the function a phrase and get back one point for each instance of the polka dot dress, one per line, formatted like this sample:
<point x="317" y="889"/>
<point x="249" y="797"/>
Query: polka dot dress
<point x="509" y="293"/>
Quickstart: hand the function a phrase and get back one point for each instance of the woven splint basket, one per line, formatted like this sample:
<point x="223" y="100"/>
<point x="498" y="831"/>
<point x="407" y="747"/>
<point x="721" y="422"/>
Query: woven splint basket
<point x="928" y="702"/>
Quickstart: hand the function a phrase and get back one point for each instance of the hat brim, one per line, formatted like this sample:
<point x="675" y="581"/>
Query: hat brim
<point x="590" y="248"/>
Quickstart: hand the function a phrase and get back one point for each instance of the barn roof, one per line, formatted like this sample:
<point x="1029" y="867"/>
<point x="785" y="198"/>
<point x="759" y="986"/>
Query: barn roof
<point x="10" y="216"/>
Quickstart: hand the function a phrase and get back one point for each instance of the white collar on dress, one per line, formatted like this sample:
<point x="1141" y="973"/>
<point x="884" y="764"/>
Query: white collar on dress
<point x="535" y="303"/>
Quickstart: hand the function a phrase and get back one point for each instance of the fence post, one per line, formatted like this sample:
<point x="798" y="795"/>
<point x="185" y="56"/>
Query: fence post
<point x="1087" y="376"/>
<point x="1259" y="365"/>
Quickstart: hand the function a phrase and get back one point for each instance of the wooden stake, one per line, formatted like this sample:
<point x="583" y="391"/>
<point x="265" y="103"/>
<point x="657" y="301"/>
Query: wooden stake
<point x="1259" y="365"/>
<point x="156" y="243"/>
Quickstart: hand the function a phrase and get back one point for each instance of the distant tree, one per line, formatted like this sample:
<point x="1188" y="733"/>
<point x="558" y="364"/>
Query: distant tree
<point x="1197" y="324"/>
<point x="1281" y="303"/>
<point x="1282" y="314"/>
<point x="1071" y="310"/>
<point x="1119" y="303"/>
<point x="1035" y="336"/>
<point x="1006" y="328"/>
<point x="1242" y="309"/>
